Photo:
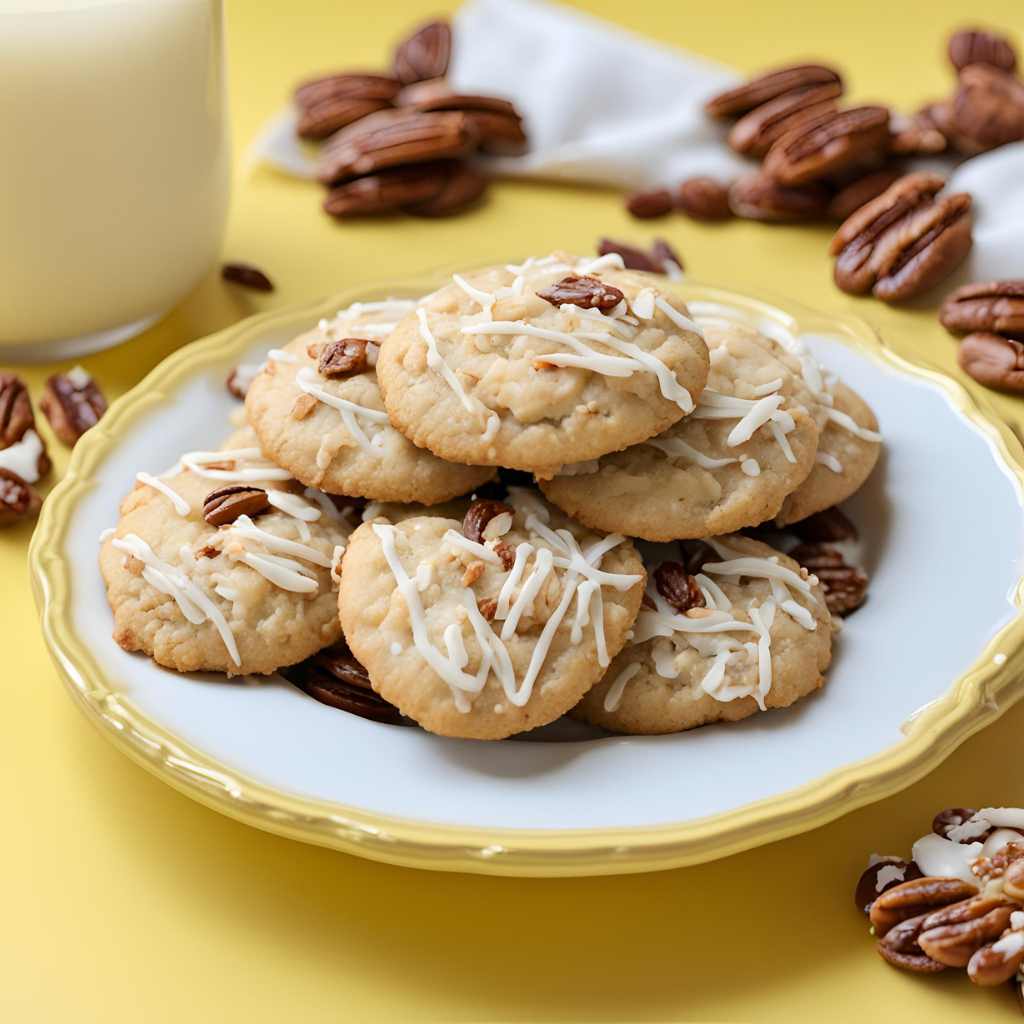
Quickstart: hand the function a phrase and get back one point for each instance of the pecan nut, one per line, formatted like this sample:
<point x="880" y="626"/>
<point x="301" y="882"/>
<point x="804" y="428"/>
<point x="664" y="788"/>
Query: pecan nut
<point x="462" y="186"/>
<point x="917" y="899"/>
<point x="827" y="144"/>
<point x="226" y="504"/>
<point x="885" y="874"/>
<point x="425" y="54"/>
<point x="632" y="258"/>
<point x="647" y="205"/>
<point x="679" y="589"/>
<point x="388" y="190"/>
<point x="703" y="199"/>
<point x="852" y="197"/>
<point x="344" y="357"/>
<point x="497" y="121"/>
<point x="15" y="409"/>
<point x="986" y="306"/>
<point x="827" y="526"/>
<point x="953" y="935"/>
<point x="18" y="499"/>
<point x="987" y="110"/>
<point x="972" y="46"/>
<point x="758" y="197"/>
<point x="337" y="678"/>
<point x="247" y="275"/>
<point x="903" y="242"/>
<point x="915" y="136"/>
<point x="954" y="817"/>
<point x="480" y="513"/>
<point x="766" y="87"/>
<point x="585" y="292"/>
<point x="391" y="138"/>
<point x="993" y="360"/>
<point x="1013" y="879"/>
<point x="845" y="587"/>
<point x="327" y="104"/>
<point x="899" y="946"/>
<point x="999" y="961"/>
<point x="755" y="133"/>
<point x="72" y="403"/>
<point x="665" y="256"/>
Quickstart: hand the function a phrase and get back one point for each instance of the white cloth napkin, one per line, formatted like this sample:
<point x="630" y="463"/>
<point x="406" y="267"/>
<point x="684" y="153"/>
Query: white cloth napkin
<point x="606" y="106"/>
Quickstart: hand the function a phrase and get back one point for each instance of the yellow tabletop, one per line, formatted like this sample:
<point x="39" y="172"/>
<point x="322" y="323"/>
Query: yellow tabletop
<point x="123" y="900"/>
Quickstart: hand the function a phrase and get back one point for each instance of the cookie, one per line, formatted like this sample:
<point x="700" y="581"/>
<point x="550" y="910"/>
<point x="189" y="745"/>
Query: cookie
<point x="490" y="626"/>
<point x="248" y="596"/>
<point x="529" y="367"/>
<point x="749" y="631"/>
<point x="317" y="410"/>
<point x="730" y="464"/>
<point x="848" y="449"/>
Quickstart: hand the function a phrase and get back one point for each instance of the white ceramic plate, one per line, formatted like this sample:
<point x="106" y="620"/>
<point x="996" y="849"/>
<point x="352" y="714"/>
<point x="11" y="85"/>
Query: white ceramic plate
<point x="568" y="799"/>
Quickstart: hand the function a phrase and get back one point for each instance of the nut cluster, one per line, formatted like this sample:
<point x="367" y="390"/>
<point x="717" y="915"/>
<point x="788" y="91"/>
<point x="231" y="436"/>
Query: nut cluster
<point x="991" y="316"/>
<point x="399" y="142"/>
<point x="926" y="924"/>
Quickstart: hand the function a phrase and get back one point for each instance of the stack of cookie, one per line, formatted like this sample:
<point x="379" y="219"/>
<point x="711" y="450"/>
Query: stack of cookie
<point x="527" y="490"/>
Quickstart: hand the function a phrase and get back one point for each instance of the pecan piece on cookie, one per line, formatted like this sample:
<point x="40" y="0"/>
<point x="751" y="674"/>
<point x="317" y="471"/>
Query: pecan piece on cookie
<point x="903" y="242"/>
<point x="16" y="414"/>
<point x="846" y="587"/>
<point x="18" y="499"/>
<point x="743" y="98"/>
<point x="480" y="514"/>
<point x="585" y="292"/>
<point x="344" y="357"/>
<point x="985" y="306"/>
<point x="758" y="197"/>
<point x="755" y="133"/>
<point x="425" y="54"/>
<point x="72" y="403"/>
<point x="703" y="199"/>
<point x="827" y="144"/>
<point x="226" y="504"/>
<point x="993" y="360"/>
<point x="678" y="587"/>
<point x="973" y="46"/>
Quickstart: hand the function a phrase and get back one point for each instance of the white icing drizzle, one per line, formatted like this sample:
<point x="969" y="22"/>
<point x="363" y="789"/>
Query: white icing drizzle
<point x="828" y="461"/>
<point x="682" y="322"/>
<point x="281" y="356"/>
<point x="107" y="534"/>
<point x="677" y="449"/>
<point x="484" y="299"/>
<point x="198" y="463"/>
<point x="294" y="505"/>
<point x="613" y="697"/>
<point x="582" y="580"/>
<point x="580" y="468"/>
<point x="847" y="422"/>
<point x="308" y="380"/>
<point x="181" y="506"/>
<point x="22" y="457"/>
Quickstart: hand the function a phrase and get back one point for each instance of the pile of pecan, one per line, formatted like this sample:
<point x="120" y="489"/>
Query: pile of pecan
<point x="991" y="316"/>
<point x="398" y="142"/>
<point x="927" y="923"/>
<point x="72" y="403"/>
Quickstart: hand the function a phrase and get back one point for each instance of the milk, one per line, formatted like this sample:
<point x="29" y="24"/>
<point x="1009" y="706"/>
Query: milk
<point x="114" y="166"/>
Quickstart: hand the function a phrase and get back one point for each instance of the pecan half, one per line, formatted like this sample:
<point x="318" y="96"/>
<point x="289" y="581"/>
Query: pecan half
<point x="1013" y="879"/>
<point x="480" y="513"/>
<point x="649" y="204"/>
<point x="827" y="144"/>
<point x="371" y="86"/>
<point x="327" y="104"/>
<point x="828" y="526"/>
<point x="249" y="276"/>
<point x="916" y="899"/>
<point x="985" y="306"/>
<point x="497" y="121"/>
<point x="337" y="678"/>
<point x="845" y="587"/>
<point x="999" y="961"/>
<point x="678" y="587"/>
<point x="72" y="403"/>
<point x="18" y="499"/>
<point x="462" y="186"/>
<point x="987" y="110"/>
<point x="488" y="606"/>
<point x="755" y="133"/>
<point x="16" y="414"/>
<point x="585" y="292"/>
<point x="972" y="46"/>
<point x="899" y="947"/>
<point x="953" y="817"/>
<point x="869" y="886"/>
<point x="953" y="935"/>
<point x="664" y="254"/>
<point x="758" y="197"/>
<point x="852" y="197"/>
<point x="903" y="242"/>
<point x="632" y="258"/>
<point x="915" y="136"/>
<point x="226" y="504"/>
<point x="343" y="358"/>
<point x="391" y="138"/>
<point x="703" y="199"/>
<point x="993" y="360"/>
<point x="767" y="87"/>
<point x="424" y="54"/>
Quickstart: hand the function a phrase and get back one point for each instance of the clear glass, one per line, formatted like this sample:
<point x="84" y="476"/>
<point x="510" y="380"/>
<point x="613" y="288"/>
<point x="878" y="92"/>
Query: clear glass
<point x="114" y="167"/>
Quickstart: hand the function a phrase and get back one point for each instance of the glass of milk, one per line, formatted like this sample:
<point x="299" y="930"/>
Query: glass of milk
<point x="114" y="167"/>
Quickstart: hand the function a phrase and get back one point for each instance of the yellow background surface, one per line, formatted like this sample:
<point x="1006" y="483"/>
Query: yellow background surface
<point x="122" y="900"/>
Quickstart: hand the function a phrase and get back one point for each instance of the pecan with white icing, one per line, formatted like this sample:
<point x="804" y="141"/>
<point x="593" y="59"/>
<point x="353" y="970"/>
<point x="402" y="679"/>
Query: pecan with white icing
<point x="15" y="409"/>
<point x="18" y="500"/>
<point x="480" y="513"/>
<point x="585" y="292"/>
<point x="72" y="403"/>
